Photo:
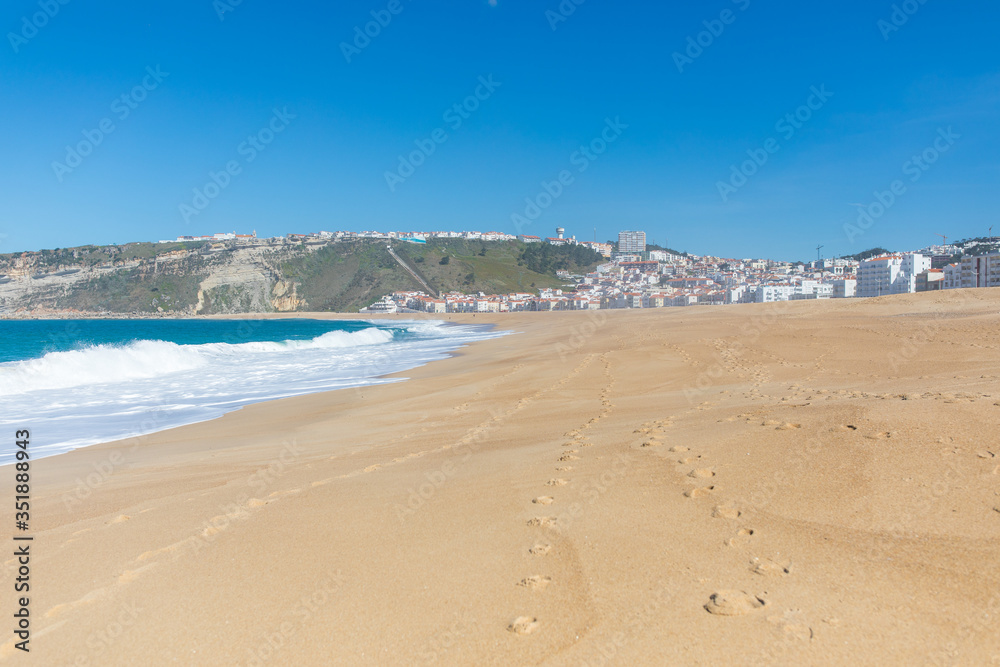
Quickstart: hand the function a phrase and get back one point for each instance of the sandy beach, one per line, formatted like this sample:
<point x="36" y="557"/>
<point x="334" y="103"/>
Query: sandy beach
<point x="803" y="483"/>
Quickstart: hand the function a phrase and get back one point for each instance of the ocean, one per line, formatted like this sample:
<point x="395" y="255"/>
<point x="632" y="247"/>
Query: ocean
<point x="74" y="383"/>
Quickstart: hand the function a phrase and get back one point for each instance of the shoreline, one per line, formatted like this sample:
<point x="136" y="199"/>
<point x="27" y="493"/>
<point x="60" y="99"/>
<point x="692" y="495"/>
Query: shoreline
<point x="678" y="485"/>
<point x="368" y="381"/>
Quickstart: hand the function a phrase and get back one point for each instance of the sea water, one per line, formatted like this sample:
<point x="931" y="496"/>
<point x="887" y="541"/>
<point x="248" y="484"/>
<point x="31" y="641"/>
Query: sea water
<point x="74" y="383"/>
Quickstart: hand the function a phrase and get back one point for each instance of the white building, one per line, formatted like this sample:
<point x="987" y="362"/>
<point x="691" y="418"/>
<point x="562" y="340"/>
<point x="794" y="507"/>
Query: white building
<point x="807" y="289"/>
<point x="771" y="293"/>
<point x="952" y="276"/>
<point x="383" y="305"/>
<point x="981" y="271"/>
<point x="629" y="241"/>
<point x="845" y="288"/>
<point x="891" y="274"/>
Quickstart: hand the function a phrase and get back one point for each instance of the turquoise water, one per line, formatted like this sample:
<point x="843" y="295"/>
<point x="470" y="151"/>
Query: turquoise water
<point x="79" y="382"/>
<point x="28" y="339"/>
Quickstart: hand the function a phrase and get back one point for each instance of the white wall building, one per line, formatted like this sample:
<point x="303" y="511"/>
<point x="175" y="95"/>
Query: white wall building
<point x="952" y="276"/>
<point x="629" y="241"/>
<point x="845" y="288"/>
<point x="980" y="271"/>
<point x="807" y="289"/>
<point x="891" y="274"/>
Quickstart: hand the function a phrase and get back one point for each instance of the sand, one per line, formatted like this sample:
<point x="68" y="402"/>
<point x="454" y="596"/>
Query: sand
<point x="802" y="483"/>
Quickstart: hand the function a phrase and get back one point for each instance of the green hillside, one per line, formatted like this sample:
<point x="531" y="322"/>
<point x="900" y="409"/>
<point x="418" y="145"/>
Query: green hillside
<point x="349" y="276"/>
<point x="208" y="278"/>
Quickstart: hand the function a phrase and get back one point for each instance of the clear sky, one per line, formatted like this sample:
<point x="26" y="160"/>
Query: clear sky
<point x="925" y="82"/>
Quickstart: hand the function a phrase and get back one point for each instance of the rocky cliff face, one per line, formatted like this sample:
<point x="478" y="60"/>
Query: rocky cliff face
<point x="210" y="279"/>
<point x="268" y="275"/>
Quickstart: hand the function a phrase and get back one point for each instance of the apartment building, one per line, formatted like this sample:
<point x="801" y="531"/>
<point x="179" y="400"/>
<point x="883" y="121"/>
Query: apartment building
<point x="633" y="242"/>
<point x="891" y="274"/>
<point x="981" y="271"/>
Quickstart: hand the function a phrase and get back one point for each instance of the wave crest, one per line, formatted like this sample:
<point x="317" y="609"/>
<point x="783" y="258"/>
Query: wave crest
<point x="102" y="364"/>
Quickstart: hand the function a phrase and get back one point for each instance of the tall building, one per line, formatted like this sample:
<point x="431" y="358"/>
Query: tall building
<point x="980" y="271"/>
<point x="631" y="241"/>
<point x="891" y="274"/>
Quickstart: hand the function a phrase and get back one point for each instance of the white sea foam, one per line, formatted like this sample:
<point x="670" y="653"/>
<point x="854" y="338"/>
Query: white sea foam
<point x="107" y="392"/>
<point x="145" y="359"/>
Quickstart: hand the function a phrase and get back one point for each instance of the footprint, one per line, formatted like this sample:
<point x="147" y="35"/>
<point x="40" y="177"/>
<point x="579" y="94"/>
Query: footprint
<point x="768" y="568"/>
<point x="569" y="457"/>
<point x="540" y="549"/>
<point x="699" y="492"/>
<point x="733" y="603"/>
<point x="564" y="468"/>
<point x="542" y="521"/>
<point x="556" y="482"/>
<point x="677" y="449"/>
<point x="535" y="583"/>
<point x="725" y="512"/>
<point x="702" y="473"/>
<point x="523" y="625"/>
<point x="128" y="576"/>
<point x="543" y="500"/>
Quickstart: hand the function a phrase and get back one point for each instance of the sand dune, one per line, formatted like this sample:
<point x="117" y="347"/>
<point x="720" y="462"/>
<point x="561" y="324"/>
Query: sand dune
<point x="800" y="483"/>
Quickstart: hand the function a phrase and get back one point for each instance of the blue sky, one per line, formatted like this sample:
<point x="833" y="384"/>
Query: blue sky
<point x="559" y="77"/>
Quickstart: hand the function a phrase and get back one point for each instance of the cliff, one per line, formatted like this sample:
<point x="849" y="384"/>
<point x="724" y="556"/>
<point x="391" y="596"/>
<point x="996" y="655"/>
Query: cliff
<point x="267" y="275"/>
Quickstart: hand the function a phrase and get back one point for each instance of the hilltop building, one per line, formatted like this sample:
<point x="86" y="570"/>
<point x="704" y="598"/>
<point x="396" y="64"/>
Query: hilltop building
<point x="631" y="242"/>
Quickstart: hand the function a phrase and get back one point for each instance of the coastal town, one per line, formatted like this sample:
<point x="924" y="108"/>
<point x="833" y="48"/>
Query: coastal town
<point x="233" y="273"/>
<point x="635" y="276"/>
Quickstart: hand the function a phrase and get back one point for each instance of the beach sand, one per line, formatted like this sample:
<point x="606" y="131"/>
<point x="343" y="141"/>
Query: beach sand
<point x="798" y="483"/>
